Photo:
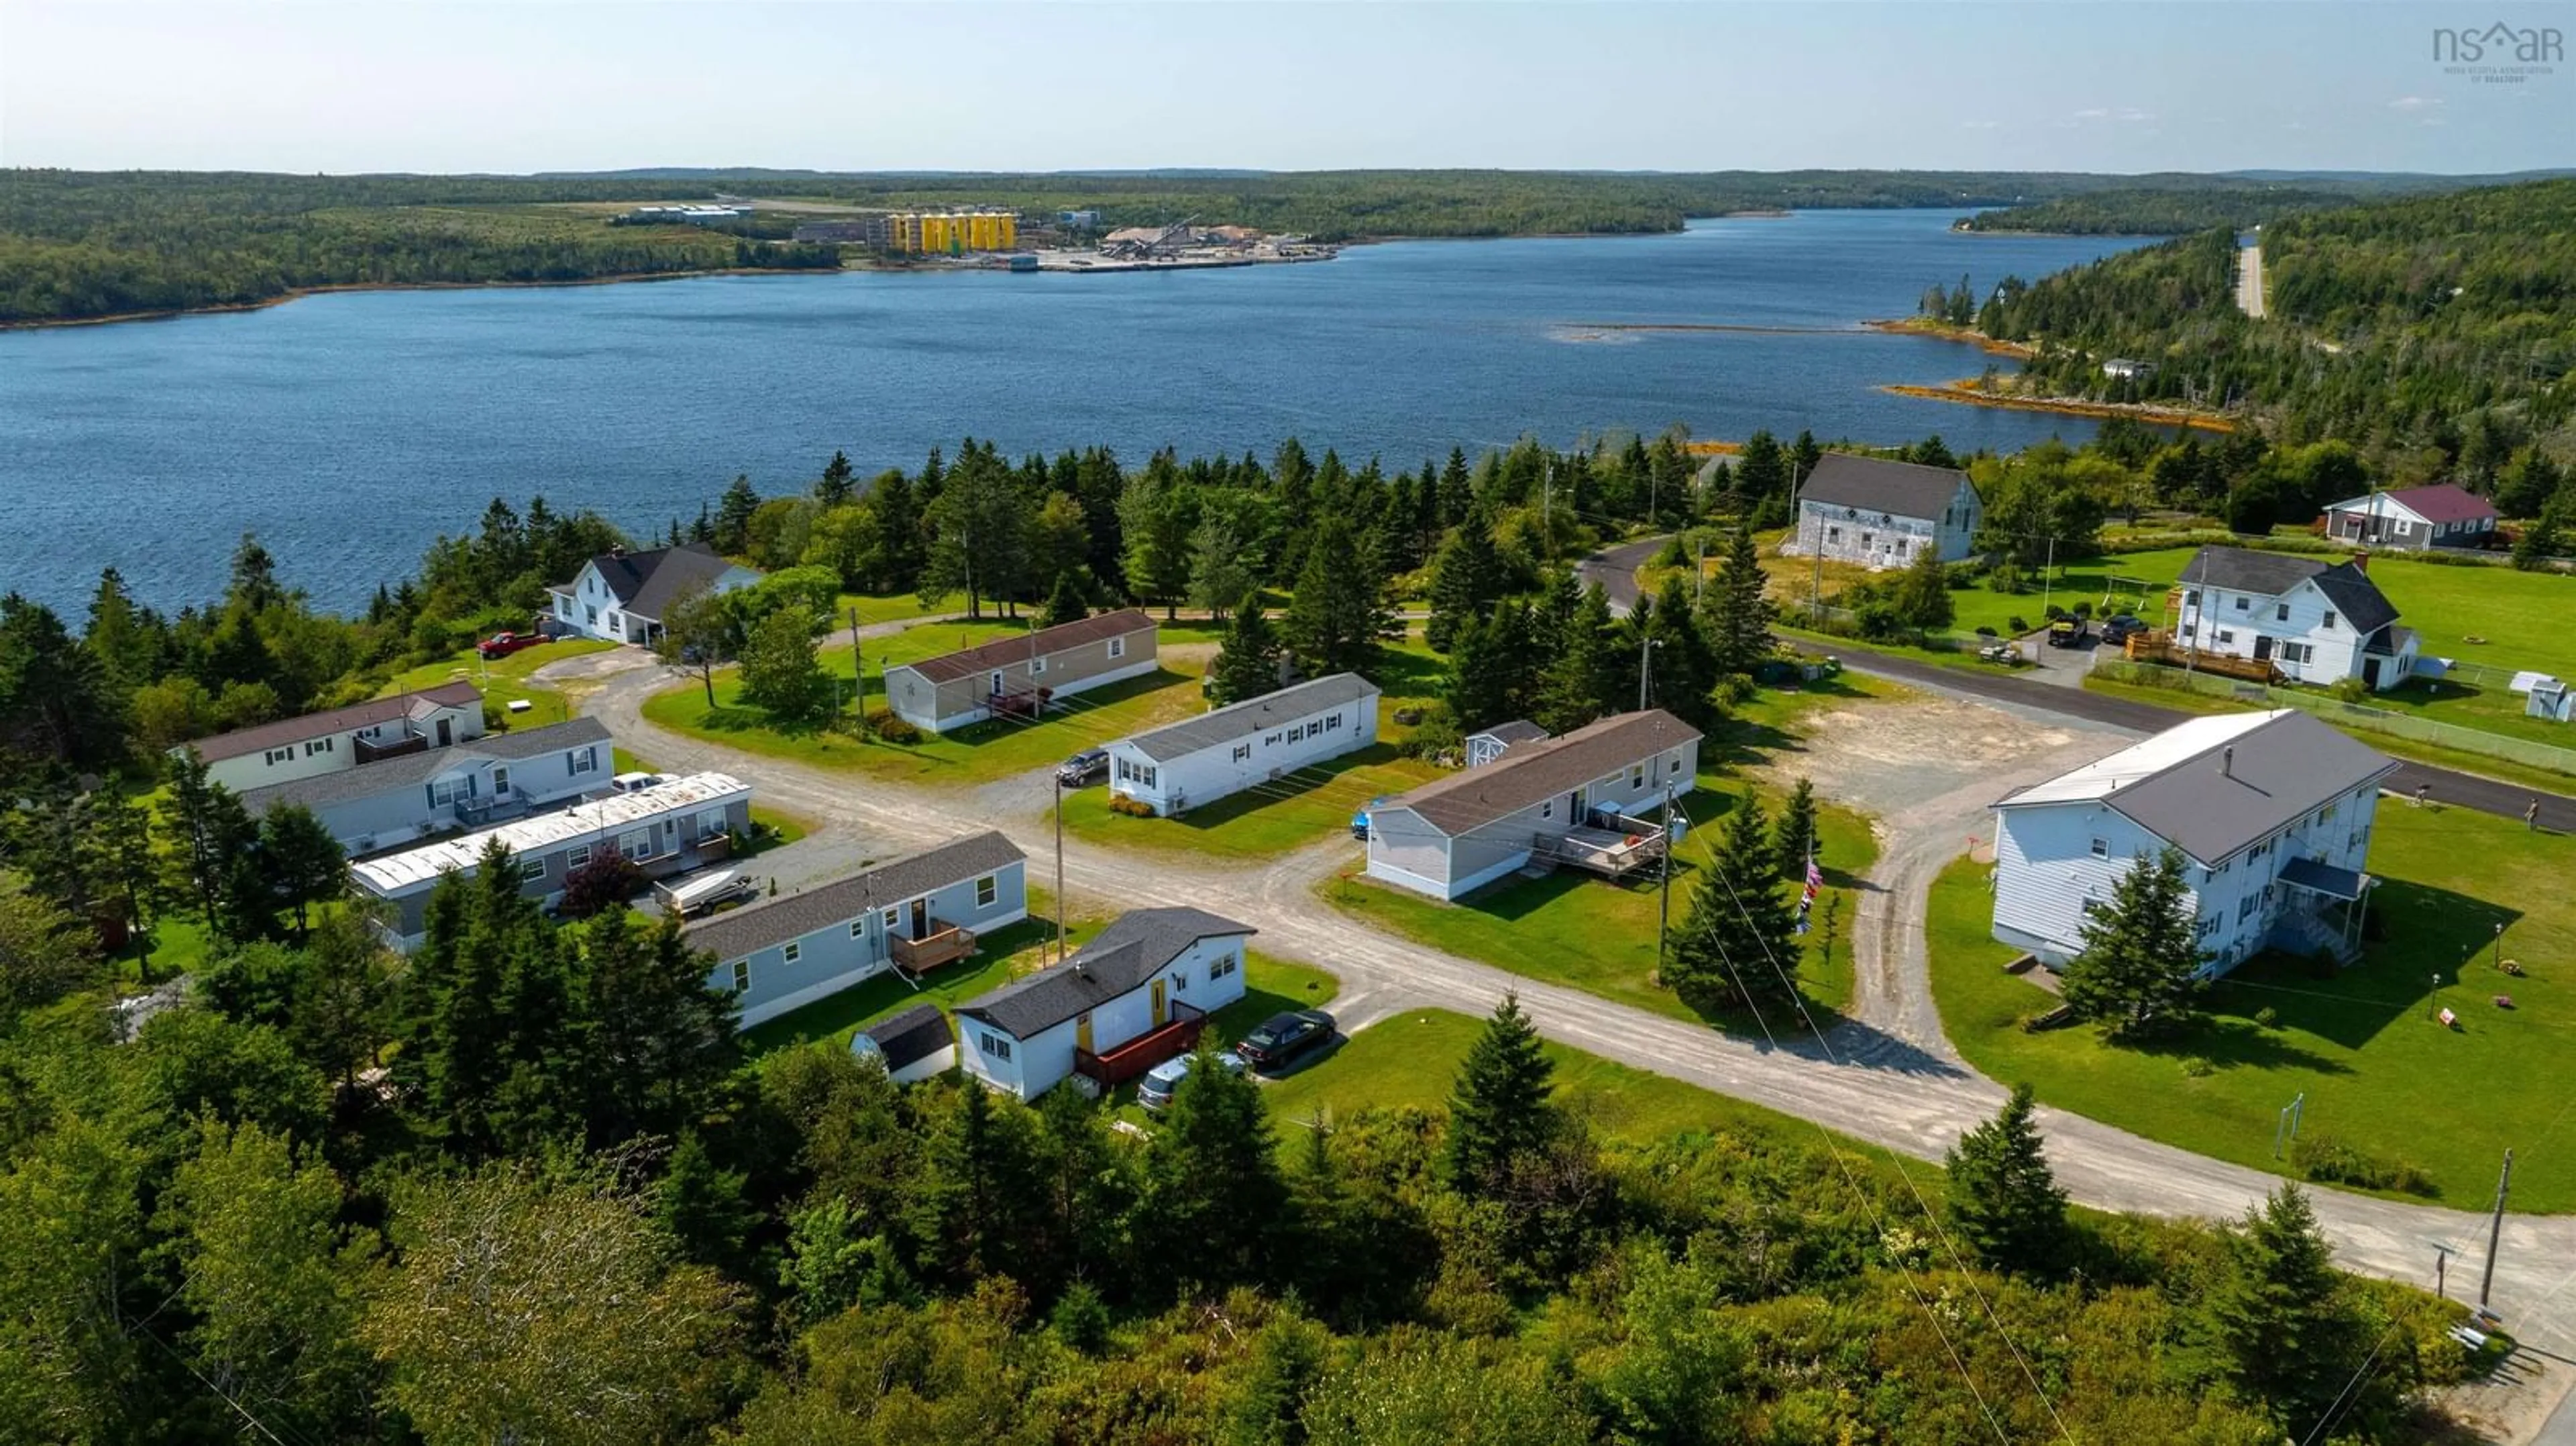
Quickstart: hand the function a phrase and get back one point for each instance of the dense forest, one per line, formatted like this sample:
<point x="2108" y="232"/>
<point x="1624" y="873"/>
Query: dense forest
<point x="2435" y="333"/>
<point x="89" y="244"/>
<point x="2180" y="204"/>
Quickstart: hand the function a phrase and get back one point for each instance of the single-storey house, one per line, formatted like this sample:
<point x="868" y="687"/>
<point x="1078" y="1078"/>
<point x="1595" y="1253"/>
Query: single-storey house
<point x="1494" y="742"/>
<point x="619" y="595"/>
<point x="2415" y="518"/>
<point x="912" y="913"/>
<point x="2128" y="369"/>
<point x="342" y="738"/>
<point x="1880" y="514"/>
<point x="480" y="781"/>
<point x="2272" y="811"/>
<point x="2316" y="622"/>
<point x="1593" y="798"/>
<point x="913" y="1045"/>
<point x="669" y="828"/>
<point x="1130" y="999"/>
<point x="1225" y="750"/>
<point x="1021" y="675"/>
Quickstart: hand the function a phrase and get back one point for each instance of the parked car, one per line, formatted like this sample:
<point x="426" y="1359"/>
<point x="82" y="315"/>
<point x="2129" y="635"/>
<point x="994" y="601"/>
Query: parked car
<point x="502" y="645"/>
<point x="635" y="782"/>
<point x="1154" y="1091"/>
<point x="1089" y="766"/>
<point x="2122" y="628"/>
<point x="1360" y="818"/>
<point x="2068" y="631"/>
<point x="1283" y="1039"/>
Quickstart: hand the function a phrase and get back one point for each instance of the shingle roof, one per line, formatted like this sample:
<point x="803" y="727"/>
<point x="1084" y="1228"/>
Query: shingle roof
<point x="1530" y="772"/>
<point x="2439" y="502"/>
<point x="1045" y="642"/>
<point x="645" y="582"/>
<point x="2270" y="574"/>
<point x="1902" y="489"/>
<point x="2214" y="785"/>
<point x="1117" y="961"/>
<point x="793" y="916"/>
<point x="339" y="720"/>
<point x="1236" y="721"/>
<point x="405" y="770"/>
<point x="910" y="1037"/>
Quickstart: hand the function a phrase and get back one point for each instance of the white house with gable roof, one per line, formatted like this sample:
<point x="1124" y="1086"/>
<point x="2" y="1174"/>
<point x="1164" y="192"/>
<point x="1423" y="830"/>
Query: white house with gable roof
<point x="2317" y="622"/>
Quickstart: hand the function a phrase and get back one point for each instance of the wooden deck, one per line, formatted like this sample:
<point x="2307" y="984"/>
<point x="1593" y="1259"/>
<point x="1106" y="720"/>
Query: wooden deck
<point x="1124" y="1062"/>
<point x="2159" y="647"/>
<point x="945" y="944"/>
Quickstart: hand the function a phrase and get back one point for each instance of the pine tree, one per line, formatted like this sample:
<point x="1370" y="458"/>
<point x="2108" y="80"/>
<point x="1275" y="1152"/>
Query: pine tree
<point x="1213" y="1194"/>
<point x="1467" y="578"/>
<point x="733" y="516"/>
<point x="1734" y="612"/>
<point x="1456" y="496"/>
<point x="2277" y="1319"/>
<point x="1679" y="666"/>
<point x="1065" y="604"/>
<point x="1737" y="943"/>
<point x="2542" y="538"/>
<point x="1158" y="516"/>
<point x="1499" y="1108"/>
<point x="833" y="488"/>
<point x="1794" y="840"/>
<point x="2003" y="1201"/>
<point x="1247" y="662"/>
<point x="1582" y="679"/>
<point x="1487" y="681"/>
<point x="301" y="862"/>
<point x="703" y="1207"/>
<point x="1338" y="612"/>
<point x="896" y="510"/>
<point x="2138" y="973"/>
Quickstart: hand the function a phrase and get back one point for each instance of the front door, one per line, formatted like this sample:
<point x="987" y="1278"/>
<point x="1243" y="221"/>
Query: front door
<point x="920" y="920"/>
<point x="2262" y="646"/>
<point x="1161" y="1005"/>
<point x="2370" y="674"/>
<point x="445" y="734"/>
<point x="1082" y="1033"/>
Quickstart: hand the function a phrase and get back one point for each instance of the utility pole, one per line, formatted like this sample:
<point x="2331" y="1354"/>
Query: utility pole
<point x="1699" y="573"/>
<point x="2495" y="1230"/>
<point x="858" y="678"/>
<point x="1664" y="885"/>
<point x="1059" y="868"/>
<point x="1645" y="650"/>
<point x="2045" y="568"/>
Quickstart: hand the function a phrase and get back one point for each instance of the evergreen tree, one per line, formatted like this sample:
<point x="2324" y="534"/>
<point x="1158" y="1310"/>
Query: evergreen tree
<point x="1221" y="561"/>
<point x="215" y="864"/>
<point x="56" y="702"/>
<point x="1500" y="1108"/>
<point x="1488" y="680"/>
<point x="124" y="865"/>
<point x="1066" y="603"/>
<point x="2138" y="974"/>
<point x="834" y="487"/>
<point x="659" y="1043"/>
<point x="896" y="510"/>
<point x="125" y="639"/>
<point x="301" y="863"/>
<point x="1680" y="669"/>
<point x="1467" y="578"/>
<point x="1455" y="494"/>
<point x="2003" y="1200"/>
<point x="1158" y="517"/>
<point x="733" y="517"/>
<point x="1734" y="612"/>
<point x="701" y="1205"/>
<point x="1338" y="611"/>
<point x="1213" y="1192"/>
<point x="1761" y="469"/>
<point x="1794" y="839"/>
<point x="1247" y="662"/>
<point x="2277" y="1320"/>
<point x="1583" y="679"/>
<point x="1923" y="593"/>
<point x="2542" y="538"/>
<point x="1737" y="944"/>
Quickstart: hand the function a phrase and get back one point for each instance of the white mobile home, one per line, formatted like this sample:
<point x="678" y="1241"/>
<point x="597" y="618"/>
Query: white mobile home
<point x="1022" y="675"/>
<point x="481" y="781"/>
<point x="341" y="739"/>
<point x="1226" y="750"/>
<point x="1597" y="787"/>
<point x="2272" y="811"/>
<point x="1130" y="999"/>
<point x="914" y="913"/>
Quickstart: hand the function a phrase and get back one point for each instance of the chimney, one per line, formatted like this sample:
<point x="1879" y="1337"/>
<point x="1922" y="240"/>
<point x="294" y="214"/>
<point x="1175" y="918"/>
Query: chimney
<point x="617" y="549"/>
<point x="2227" y="761"/>
<point x="2361" y="562"/>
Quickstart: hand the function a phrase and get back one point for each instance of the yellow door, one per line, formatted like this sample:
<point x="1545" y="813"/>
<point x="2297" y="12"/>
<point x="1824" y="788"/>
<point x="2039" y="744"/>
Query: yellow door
<point x="1082" y="1034"/>
<point x="1158" y="1003"/>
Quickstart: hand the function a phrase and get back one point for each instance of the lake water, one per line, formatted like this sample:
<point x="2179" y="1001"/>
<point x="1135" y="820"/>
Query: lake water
<point x="348" y="429"/>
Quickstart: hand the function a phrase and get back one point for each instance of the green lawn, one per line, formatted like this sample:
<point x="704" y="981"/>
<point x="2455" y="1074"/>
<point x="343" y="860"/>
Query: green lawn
<point x="503" y="680"/>
<point x="1577" y="929"/>
<point x="890" y="609"/>
<point x="2377" y="1072"/>
<point x="2522" y="616"/>
<point x="2525" y="775"/>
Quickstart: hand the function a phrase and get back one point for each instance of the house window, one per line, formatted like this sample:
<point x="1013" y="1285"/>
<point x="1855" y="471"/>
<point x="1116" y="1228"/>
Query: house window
<point x="2191" y="599"/>
<point x="2246" y="906"/>
<point x="318" y="745"/>
<point x="1219" y="968"/>
<point x="1333" y="722"/>
<point x="2281" y="612"/>
<point x="442" y="792"/>
<point x="1297" y="734"/>
<point x="741" y="975"/>
<point x="500" y="783"/>
<point x="1270" y="740"/>
<point x="791" y="952"/>
<point x="280" y="755"/>
<point x="987" y="889"/>
<point x="2101" y="848"/>
<point x="2225" y="636"/>
<point x="1180" y="984"/>
<point x="2208" y="925"/>
<point x="576" y="857"/>
<point x="637" y="844"/>
<point x="858" y="928"/>
<point x="2258" y="851"/>
<point x="1242" y="752"/>
<point x="997" y="684"/>
<point x="532" y="868"/>
<point x="2328" y="624"/>
<point x="1117" y="647"/>
<point x="1547" y="809"/>
<point x="583" y="760"/>
<point x="2244" y="604"/>
<point x="1036" y="666"/>
<point x="2325" y="815"/>
<point x="711" y="823"/>
<point x="893" y="918"/>
<point x="1833" y="534"/>
<point x="1636" y="776"/>
<point x="993" y="1044"/>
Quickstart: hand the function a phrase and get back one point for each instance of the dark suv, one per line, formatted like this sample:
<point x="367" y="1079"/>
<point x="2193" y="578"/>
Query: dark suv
<point x="2122" y="628"/>
<point x="1089" y="766"/>
<point x="1283" y="1039"/>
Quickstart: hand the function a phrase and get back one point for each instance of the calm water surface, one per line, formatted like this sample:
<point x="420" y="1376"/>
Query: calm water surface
<point x="349" y="429"/>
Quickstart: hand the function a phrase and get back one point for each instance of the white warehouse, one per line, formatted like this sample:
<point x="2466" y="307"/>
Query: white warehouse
<point x="1223" y="751"/>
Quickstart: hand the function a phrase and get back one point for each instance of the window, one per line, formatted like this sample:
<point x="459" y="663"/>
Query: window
<point x="2101" y="848"/>
<point x="1036" y="666"/>
<point x="1297" y="734"/>
<point x="1117" y="647"/>
<point x="2245" y="906"/>
<point x="1636" y="776"/>
<point x="711" y="823"/>
<point x="583" y="760"/>
<point x="636" y="844"/>
<point x="1864" y="539"/>
<point x="997" y="682"/>
<point x="791" y="952"/>
<point x="2258" y="851"/>
<point x="280" y="755"/>
<point x="532" y="868"/>
<point x="442" y="792"/>
<point x="1547" y="809"/>
<point x="500" y="783"/>
<point x="1180" y="984"/>
<point x="1332" y="722"/>
<point x="2244" y="604"/>
<point x="893" y="919"/>
<point x="741" y="975"/>
<point x="2191" y="599"/>
<point x="1219" y="968"/>
<point x="2328" y="624"/>
<point x="1270" y="740"/>
<point x="993" y="1044"/>
<point x="987" y="889"/>
<point x="859" y="928"/>
<point x="2280" y="612"/>
<point x="2325" y="815"/>
<point x="578" y="856"/>
<point x="1833" y="534"/>
<point x="2226" y="636"/>
<point x="318" y="745"/>
<point x="2208" y="925"/>
<point x="1242" y="752"/>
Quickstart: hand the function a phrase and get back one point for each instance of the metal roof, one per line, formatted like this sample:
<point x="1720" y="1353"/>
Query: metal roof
<point x="407" y="770"/>
<point x="401" y="873"/>
<point x="2320" y="877"/>
<point x="2214" y="785"/>
<point x="1043" y="643"/>
<point x="1529" y="773"/>
<point x="1236" y="721"/>
<point x="773" y="922"/>
<point x="908" y="1038"/>
<point x="1117" y="961"/>
<point x="1874" y="484"/>
<point x="337" y="721"/>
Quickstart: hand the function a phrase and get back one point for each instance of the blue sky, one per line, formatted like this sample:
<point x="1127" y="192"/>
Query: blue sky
<point x="345" y="85"/>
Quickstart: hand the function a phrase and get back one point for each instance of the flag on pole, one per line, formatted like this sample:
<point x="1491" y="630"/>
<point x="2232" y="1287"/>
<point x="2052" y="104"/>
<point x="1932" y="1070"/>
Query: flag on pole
<point x="1807" y="899"/>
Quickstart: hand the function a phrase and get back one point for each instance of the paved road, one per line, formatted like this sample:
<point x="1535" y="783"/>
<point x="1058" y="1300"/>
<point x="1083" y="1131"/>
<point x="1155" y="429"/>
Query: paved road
<point x="2249" y="280"/>
<point x="1615" y="569"/>
<point x="1886" y="1077"/>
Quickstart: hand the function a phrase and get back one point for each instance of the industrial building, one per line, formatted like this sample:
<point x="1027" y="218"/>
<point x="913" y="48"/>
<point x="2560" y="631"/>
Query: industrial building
<point x="922" y="233"/>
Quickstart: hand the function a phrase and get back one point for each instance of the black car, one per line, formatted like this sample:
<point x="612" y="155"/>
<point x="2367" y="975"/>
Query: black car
<point x="2122" y="628"/>
<point x="1089" y="766"/>
<point x="1282" y="1039"/>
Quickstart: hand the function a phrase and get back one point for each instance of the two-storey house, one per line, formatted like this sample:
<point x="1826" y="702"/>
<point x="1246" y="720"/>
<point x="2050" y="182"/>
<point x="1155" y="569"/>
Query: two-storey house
<point x="2316" y="622"/>
<point x="619" y="596"/>
<point x="1880" y="514"/>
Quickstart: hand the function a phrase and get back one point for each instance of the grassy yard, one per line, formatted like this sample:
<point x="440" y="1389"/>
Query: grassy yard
<point x="503" y="680"/>
<point x="2378" y="1073"/>
<point x="890" y="609"/>
<point x="2521" y="615"/>
<point x="1575" y="929"/>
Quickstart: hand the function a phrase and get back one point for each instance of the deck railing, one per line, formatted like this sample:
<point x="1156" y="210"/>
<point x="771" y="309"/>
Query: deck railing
<point x="945" y="944"/>
<point x="1124" y="1062"/>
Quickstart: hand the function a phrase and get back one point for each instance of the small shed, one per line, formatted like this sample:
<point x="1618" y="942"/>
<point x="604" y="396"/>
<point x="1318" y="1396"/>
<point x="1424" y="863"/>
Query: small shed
<point x="913" y="1045"/>
<point x="2551" y="700"/>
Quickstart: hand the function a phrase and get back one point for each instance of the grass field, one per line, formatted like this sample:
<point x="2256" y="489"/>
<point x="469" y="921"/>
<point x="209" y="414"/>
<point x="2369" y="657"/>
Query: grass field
<point x="890" y="609"/>
<point x="503" y="680"/>
<point x="1575" y="929"/>
<point x="2506" y="770"/>
<point x="2377" y="1072"/>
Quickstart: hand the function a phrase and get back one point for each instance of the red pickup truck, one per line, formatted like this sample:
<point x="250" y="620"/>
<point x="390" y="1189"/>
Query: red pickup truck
<point x="502" y="645"/>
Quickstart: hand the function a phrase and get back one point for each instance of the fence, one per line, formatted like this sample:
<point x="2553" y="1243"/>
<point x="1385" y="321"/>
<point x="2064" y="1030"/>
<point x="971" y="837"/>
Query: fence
<point x="2351" y="715"/>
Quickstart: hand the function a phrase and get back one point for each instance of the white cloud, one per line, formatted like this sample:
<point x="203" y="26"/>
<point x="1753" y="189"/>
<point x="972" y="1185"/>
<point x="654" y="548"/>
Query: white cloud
<point x="2093" y="113"/>
<point x="2134" y="115"/>
<point x="2413" y="102"/>
<point x="1979" y="125"/>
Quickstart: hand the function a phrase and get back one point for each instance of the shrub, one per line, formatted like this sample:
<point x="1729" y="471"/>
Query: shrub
<point x="2349" y="690"/>
<point x="2017" y="623"/>
<point x="1735" y="690"/>
<point x="2055" y="612"/>
<point x="2329" y="1160"/>
<point x="610" y="878"/>
<point x="1120" y="803"/>
<point x="887" y="726"/>
<point x="2084" y="608"/>
<point x="2267" y="1017"/>
<point x="2198" y="1068"/>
